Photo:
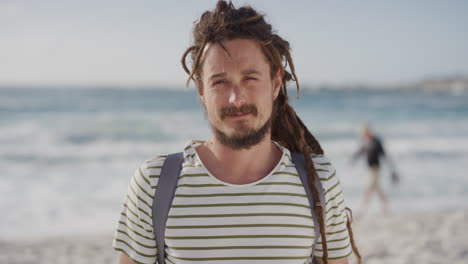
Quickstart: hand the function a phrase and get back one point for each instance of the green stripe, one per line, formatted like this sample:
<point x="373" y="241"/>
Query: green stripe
<point x="285" y="172"/>
<point x="136" y="262"/>
<point x="143" y="177"/>
<point x="154" y="167"/>
<point x="334" y="197"/>
<point x="154" y="176"/>
<point x="194" y="175"/>
<point x="138" y="197"/>
<point x="189" y="166"/>
<point x="240" y="194"/>
<point x="337" y="232"/>
<point x="335" y="207"/>
<point x="323" y="164"/>
<point x="190" y="155"/>
<point x="137" y="207"/>
<point x="280" y="183"/>
<point x="134" y="250"/>
<point x="134" y="240"/>
<point x="133" y="213"/>
<point x="336" y="224"/>
<point x="235" y="226"/>
<point x="336" y="215"/>
<point x="334" y="249"/>
<point x="240" y="258"/>
<point x="286" y="165"/>
<point x="329" y="177"/>
<point x="143" y="190"/>
<point x="137" y="216"/>
<point x="333" y="187"/>
<point x="238" y="215"/>
<point x="236" y="204"/>
<point x="322" y="170"/>
<point x="135" y="232"/>
<point x="239" y="247"/>
<point x="187" y="147"/>
<point x="340" y="257"/>
<point x="238" y="236"/>
<point x="335" y="240"/>
<point x="133" y="222"/>
<point x="201" y="185"/>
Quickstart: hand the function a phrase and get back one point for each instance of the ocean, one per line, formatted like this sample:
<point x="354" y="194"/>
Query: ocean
<point x="67" y="154"/>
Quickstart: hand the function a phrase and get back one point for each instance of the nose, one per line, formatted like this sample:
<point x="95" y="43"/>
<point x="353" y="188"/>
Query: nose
<point x="237" y="96"/>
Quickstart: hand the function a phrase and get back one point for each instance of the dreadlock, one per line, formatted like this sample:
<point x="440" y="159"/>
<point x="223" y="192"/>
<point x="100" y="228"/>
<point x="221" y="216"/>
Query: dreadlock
<point x="226" y="23"/>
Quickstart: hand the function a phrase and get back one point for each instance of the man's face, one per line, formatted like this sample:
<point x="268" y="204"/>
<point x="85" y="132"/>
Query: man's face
<point x="238" y="92"/>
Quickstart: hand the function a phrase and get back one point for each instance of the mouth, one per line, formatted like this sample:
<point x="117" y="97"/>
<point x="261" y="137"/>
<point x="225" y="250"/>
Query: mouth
<point x="238" y="112"/>
<point x="238" y="115"/>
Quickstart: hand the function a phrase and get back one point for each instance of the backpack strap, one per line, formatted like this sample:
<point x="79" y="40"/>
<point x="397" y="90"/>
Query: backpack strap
<point x="299" y="162"/>
<point x="163" y="197"/>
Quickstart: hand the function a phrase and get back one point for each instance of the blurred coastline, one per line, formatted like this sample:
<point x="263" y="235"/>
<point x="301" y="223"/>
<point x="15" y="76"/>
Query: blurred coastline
<point x="454" y="84"/>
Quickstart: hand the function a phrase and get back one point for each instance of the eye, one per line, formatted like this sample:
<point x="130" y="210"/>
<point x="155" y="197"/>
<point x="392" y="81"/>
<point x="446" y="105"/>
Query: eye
<point x="218" y="82"/>
<point x="248" y="78"/>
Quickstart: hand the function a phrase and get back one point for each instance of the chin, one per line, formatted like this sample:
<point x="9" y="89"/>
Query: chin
<point x="242" y="137"/>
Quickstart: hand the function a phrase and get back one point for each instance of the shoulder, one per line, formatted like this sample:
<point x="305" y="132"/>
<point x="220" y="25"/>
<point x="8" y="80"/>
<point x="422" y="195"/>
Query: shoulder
<point x="326" y="173"/>
<point x="154" y="163"/>
<point x="148" y="172"/>
<point x="323" y="166"/>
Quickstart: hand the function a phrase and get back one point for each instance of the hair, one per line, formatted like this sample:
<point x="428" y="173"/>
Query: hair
<point x="227" y="23"/>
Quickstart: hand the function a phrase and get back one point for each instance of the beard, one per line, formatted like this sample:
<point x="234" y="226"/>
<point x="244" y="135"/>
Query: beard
<point x="249" y="137"/>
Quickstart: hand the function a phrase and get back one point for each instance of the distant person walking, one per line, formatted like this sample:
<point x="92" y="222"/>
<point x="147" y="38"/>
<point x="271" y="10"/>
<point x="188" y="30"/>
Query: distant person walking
<point x="372" y="148"/>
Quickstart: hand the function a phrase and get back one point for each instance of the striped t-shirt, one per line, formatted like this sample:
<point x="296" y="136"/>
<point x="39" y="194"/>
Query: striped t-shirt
<point x="210" y="221"/>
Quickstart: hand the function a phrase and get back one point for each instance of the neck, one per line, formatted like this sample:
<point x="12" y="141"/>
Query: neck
<point x="239" y="166"/>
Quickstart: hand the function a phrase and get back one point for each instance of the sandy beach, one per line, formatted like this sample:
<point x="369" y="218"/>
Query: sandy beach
<point x="427" y="237"/>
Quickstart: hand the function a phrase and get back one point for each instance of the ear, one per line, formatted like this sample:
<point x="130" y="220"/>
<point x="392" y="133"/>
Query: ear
<point x="199" y="85"/>
<point x="277" y="81"/>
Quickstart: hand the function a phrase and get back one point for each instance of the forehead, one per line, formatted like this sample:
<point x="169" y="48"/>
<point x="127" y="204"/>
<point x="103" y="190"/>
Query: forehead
<point x="238" y="54"/>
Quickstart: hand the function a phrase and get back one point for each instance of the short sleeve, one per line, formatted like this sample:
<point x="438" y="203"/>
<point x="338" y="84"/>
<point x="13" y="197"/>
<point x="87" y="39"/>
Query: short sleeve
<point x="336" y="231"/>
<point x="134" y="233"/>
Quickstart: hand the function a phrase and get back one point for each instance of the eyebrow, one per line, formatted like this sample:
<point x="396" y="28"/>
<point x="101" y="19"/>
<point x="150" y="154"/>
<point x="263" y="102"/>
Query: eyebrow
<point x="223" y="74"/>
<point x="217" y="75"/>
<point x="251" y="71"/>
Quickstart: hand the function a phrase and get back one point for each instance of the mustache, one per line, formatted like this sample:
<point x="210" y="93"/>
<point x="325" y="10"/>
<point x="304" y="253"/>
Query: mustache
<point x="233" y="110"/>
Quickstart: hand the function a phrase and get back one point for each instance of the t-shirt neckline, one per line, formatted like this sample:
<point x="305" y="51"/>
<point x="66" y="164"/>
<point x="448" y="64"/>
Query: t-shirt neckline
<point x="194" y="143"/>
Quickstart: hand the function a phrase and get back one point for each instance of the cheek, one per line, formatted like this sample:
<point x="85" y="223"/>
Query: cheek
<point x="266" y="104"/>
<point x="211" y="106"/>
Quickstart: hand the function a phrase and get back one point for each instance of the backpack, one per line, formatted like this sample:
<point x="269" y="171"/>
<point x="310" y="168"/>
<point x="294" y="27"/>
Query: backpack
<point x="167" y="185"/>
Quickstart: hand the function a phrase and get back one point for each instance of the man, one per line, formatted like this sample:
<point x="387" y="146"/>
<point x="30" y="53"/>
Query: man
<point x="373" y="149"/>
<point x="239" y="198"/>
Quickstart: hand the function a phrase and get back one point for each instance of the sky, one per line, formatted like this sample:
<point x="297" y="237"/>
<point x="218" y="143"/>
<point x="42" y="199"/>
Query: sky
<point x="132" y="42"/>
